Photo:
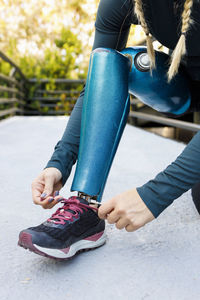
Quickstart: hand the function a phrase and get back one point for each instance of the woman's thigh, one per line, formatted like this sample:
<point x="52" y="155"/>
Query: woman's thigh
<point x="113" y="21"/>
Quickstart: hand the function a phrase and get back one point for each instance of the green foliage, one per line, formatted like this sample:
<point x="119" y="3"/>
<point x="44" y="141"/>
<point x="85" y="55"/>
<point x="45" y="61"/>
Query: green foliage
<point x="57" y="62"/>
<point x="43" y="47"/>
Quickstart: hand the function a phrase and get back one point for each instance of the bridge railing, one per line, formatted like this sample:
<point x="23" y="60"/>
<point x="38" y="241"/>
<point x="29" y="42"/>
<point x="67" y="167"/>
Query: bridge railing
<point x="140" y="114"/>
<point x="12" y="90"/>
<point x="19" y="95"/>
<point x="52" y="96"/>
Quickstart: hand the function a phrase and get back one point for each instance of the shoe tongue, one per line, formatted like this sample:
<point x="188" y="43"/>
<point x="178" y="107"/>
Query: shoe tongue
<point x="83" y="201"/>
<point x="80" y="199"/>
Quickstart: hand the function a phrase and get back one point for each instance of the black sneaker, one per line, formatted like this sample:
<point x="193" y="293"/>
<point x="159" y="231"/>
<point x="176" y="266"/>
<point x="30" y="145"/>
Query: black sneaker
<point x="72" y="228"/>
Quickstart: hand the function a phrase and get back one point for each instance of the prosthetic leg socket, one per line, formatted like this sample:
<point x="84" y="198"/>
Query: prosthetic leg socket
<point x="105" y="110"/>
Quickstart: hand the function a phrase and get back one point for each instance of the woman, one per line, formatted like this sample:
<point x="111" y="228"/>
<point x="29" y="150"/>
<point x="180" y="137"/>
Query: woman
<point x="76" y="225"/>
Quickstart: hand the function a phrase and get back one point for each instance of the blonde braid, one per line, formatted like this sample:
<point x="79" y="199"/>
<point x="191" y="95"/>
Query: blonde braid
<point x="180" y="49"/>
<point x="140" y="15"/>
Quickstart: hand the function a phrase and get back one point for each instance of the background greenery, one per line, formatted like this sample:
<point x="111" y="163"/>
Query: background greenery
<point x="48" y="39"/>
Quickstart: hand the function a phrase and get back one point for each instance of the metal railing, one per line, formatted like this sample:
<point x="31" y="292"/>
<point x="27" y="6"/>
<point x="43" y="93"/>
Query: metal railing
<point x="12" y="90"/>
<point x="18" y="95"/>
<point x="57" y="101"/>
<point x="141" y="112"/>
<point x="166" y="121"/>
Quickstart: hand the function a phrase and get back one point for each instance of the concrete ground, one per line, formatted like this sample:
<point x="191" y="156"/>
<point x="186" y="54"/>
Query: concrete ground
<point x="159" y="261"/>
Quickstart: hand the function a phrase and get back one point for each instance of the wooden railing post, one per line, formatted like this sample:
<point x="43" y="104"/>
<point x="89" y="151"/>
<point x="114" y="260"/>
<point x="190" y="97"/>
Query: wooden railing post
<point x="12" y="85"/>
<point x="13" y="102"/>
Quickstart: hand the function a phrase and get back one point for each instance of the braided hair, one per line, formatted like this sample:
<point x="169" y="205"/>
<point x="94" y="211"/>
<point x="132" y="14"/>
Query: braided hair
<point x="180" y="49"/>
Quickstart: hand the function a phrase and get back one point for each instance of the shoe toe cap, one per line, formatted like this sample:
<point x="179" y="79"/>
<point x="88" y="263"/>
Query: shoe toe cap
<point x="42" y="239"/>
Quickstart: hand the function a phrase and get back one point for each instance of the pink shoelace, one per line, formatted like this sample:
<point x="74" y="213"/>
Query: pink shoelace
<point x="63" y="214"/>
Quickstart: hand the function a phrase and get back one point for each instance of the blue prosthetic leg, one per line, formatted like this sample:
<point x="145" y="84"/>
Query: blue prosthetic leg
<point x="111" y="77"/>
<point x="105" y="110"/>
<point x="153" y="89"/>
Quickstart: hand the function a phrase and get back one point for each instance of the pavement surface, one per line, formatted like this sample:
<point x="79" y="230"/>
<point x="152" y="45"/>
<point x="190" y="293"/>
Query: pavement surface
<point x="159" y="261"/>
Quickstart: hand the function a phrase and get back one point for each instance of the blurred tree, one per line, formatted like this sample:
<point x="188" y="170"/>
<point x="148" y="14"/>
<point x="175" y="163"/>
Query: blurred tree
<point x="47" y="33"/>
<point x="49" y="37"/>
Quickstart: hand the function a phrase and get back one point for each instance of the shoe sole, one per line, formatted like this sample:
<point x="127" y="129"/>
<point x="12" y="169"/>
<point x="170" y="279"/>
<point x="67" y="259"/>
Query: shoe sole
<point x="92" y="242"/>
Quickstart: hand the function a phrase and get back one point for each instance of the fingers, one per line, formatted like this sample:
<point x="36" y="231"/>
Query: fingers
<point x="45" y="188"/>
<point x="37" y="189"/>
<point x="131" y="228"/>
<point x="48" y="188"/>
<point x="47" y="202"/>
<point x="112" y="217"/>
<point x="122" y="223"/>
<point x="126" y="210"/>
<point x="106" y="208"/>
<point x="51" y="201"/>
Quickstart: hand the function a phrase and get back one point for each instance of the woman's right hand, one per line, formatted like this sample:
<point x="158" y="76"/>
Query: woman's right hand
<point x="45" y="188"/>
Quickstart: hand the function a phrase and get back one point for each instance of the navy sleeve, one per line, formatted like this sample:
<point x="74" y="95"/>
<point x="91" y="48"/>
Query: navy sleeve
<point x="66" y="150"/>
<point x="176" y="179"/>
<point x="63" y="159"/>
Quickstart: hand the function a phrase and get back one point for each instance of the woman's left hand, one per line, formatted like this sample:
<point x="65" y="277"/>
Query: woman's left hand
<point x="126" y="210"/>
